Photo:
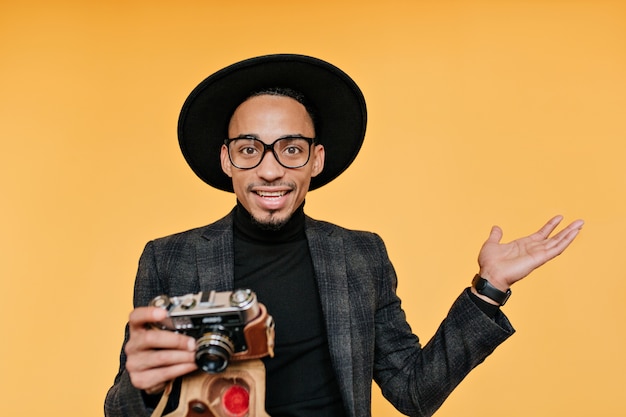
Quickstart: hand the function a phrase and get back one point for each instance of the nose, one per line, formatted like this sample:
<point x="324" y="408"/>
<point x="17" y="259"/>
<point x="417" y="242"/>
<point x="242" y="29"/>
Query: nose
<point x="269" y="169"/>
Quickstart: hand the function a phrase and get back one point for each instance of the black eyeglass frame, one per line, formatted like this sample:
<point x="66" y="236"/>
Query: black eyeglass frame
<point x="270" y="147"/>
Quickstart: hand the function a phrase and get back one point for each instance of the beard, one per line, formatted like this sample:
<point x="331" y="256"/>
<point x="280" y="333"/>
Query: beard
<point x="271" y="223"/>
<point x="272" y="220"/>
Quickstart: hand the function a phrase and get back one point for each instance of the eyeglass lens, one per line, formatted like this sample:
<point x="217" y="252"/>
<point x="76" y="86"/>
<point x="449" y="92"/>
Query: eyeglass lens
<point x="291" y="152"/>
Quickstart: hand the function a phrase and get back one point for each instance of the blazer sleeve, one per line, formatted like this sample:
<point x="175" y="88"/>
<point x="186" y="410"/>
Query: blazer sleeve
<point x="123" y="399"/>
<point x="168" y="265"/>
<point x="418" y="379"/>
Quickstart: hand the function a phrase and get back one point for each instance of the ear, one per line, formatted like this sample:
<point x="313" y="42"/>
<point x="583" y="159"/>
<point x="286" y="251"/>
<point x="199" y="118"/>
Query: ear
<point x="225" y="160"/>
<point x="317" y="159"/>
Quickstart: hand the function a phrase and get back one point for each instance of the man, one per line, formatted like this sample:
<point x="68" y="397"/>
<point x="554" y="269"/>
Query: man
<point x="270" y="129"/>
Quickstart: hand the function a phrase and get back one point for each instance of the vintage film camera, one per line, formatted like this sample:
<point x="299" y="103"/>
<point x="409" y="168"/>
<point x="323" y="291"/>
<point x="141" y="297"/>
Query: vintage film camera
<point x="226" y="325"/>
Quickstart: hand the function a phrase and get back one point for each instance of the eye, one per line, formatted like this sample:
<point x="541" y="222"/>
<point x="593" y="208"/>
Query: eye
<point x="292" y="146"/>
<point x="245" y="147"/>
<point x="248" y="150"/>
<point x="292" y="150"/>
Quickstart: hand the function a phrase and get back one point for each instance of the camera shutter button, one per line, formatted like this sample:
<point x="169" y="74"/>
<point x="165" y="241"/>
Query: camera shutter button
<point x="188" y="302"/>
<point x="240" y="298"/>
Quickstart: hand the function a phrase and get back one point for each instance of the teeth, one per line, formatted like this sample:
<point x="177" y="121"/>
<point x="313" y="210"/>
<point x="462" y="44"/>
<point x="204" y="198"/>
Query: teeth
<point x="271" y="193"/>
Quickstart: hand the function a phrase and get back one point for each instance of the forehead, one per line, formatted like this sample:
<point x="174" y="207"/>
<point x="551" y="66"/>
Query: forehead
<point x="270" y="112"/>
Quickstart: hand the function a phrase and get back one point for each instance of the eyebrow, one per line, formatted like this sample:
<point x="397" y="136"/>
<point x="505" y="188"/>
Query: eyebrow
<point x="255" y="136"/>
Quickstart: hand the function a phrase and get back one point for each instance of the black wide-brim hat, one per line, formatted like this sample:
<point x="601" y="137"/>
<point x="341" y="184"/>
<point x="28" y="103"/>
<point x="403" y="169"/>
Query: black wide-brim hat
<point x="341" y="114"/>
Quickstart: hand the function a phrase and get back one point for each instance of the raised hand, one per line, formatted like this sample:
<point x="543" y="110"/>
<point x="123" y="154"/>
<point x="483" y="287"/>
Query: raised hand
<point x="503" y="264"/>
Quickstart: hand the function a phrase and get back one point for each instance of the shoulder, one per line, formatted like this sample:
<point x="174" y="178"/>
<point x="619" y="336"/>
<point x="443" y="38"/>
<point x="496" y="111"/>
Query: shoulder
<point x="191" y="236"/>
<point x="332" y="228"/>
<point x="322" y="229"/>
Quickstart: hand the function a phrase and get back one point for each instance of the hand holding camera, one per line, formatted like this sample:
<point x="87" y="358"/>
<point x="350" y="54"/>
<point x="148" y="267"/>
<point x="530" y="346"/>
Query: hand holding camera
<point x="154" y="356"/>
<point x="225" y="325"/>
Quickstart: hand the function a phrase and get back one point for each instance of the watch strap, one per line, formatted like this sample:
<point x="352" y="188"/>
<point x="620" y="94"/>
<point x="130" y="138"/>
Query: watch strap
<point x="484" y="287"/>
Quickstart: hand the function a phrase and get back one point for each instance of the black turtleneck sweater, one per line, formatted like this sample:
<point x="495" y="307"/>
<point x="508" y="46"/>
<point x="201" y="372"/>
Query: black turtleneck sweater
<point x="277" y="265"/>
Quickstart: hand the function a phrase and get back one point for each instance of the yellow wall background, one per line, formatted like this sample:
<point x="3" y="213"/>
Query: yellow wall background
<point x="481" y="112"/>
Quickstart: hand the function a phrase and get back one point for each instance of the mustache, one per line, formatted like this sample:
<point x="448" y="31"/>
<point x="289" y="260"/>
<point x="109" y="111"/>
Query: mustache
<point x="282" y="184"/>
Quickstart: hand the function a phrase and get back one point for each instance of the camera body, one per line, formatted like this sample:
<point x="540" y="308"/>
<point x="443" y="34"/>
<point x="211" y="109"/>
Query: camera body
<point x="226" y="324"/>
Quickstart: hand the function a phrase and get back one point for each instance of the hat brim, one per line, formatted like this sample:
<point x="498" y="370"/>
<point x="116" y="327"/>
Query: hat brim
<point x="339" y="103"/>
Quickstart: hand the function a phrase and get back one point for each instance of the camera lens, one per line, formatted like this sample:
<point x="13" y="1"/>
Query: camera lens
<point x="213" y="351"/>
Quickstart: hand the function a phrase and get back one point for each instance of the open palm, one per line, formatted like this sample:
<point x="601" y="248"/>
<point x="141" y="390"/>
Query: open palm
<point x="505" y="263"/>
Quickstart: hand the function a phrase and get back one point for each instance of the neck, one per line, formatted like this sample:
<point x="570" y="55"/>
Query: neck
<point x="247" y="228"/>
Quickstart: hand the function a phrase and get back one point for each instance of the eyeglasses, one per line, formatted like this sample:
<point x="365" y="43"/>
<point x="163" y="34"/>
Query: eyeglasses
<point x="247" y="152"/>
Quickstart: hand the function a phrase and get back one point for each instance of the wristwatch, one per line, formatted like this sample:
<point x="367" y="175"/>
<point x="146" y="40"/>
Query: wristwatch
<point x="483" y="287"/>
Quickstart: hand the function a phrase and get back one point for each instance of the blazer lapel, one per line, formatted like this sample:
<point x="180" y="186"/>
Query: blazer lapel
<point x="328" y="256"/>
<point x="215" y="256"/>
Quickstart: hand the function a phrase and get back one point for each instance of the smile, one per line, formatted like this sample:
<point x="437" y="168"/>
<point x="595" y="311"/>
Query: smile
<point x="271" y="194"/>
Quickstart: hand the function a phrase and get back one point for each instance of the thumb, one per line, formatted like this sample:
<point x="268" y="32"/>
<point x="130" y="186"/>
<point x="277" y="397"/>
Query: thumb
<point x="495" y="235"/>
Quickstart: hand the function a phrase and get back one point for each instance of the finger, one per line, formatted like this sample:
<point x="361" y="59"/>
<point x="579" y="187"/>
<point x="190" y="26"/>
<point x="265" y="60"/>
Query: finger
<point x="154" y="359"/>
<point x="145" y="339"/>
<point x="141" y="316"/>
<point x="153" y="380"/>
<point x="558" y="246"/>
<point x="549" y="227"/>
<point x="575" y="225"/>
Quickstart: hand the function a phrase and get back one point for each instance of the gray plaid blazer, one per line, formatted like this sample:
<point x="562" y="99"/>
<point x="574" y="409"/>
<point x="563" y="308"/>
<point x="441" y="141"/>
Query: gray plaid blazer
<point x="368" y="335"/>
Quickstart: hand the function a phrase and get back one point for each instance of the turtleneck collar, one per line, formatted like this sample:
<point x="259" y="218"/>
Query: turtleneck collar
<point x="247" y="229"/>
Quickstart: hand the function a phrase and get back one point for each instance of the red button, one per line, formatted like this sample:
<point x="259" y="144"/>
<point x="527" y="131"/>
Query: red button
<point x="236" y="401"/>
